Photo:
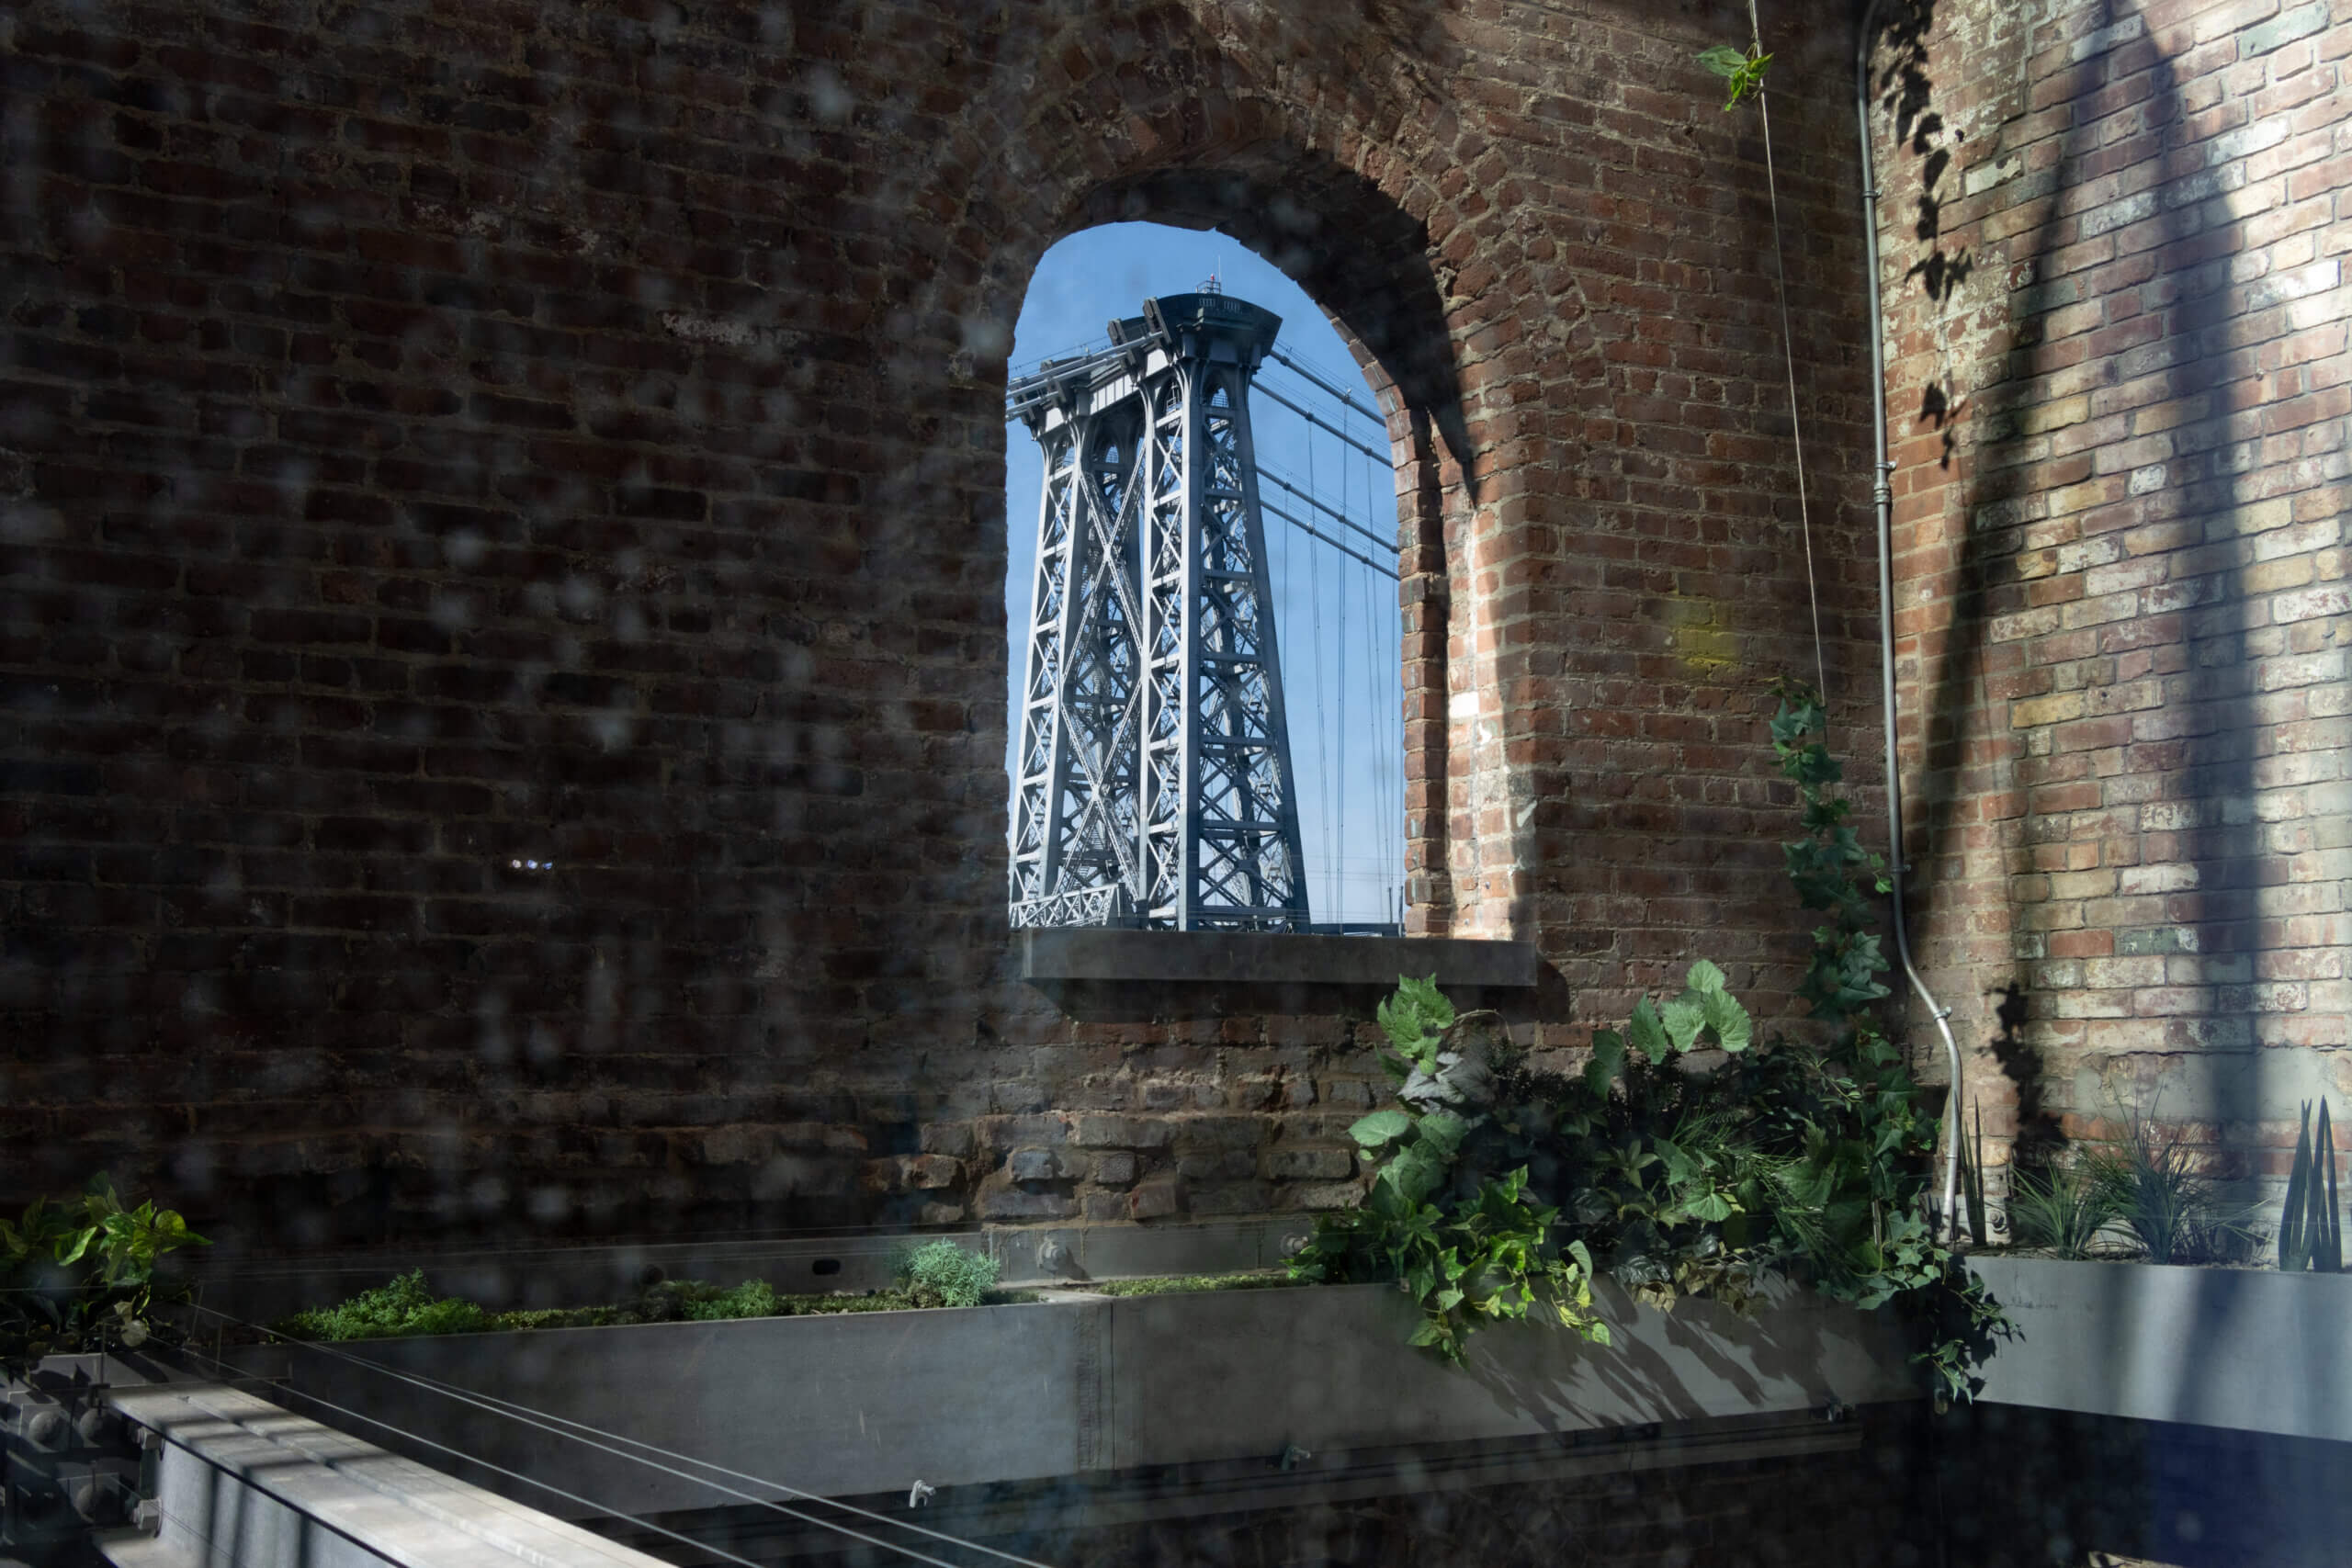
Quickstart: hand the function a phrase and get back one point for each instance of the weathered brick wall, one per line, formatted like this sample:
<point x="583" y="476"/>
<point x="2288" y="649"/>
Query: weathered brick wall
<point x="2114" y="250"/>
<point x="505" y="562"/>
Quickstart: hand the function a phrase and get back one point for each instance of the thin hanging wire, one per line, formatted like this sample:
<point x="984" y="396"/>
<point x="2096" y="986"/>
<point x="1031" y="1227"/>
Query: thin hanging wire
<point x="548" y="1488"/>
<point x="1340" y="773"/>
<point x="1322" y="757"/>
<point x="582" y="1433"/>
<point x="1789" y="357"/>
<point x="1376" y="718"/>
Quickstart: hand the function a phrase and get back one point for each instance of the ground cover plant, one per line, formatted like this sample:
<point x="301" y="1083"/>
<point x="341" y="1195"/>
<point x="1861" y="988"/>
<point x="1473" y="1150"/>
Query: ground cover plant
<point x="1183" y="1284"/>
<point x="928" y="1277"/>
<point x="940" y="1273"/>
<point x="407" y="1305"/>
<point x="937" y="1274"/>
<point x="1687" y="1158"/>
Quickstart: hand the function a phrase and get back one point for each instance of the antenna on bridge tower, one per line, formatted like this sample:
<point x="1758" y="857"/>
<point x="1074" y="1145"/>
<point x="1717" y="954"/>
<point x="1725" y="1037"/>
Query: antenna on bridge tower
<point x="1155" y="785"/>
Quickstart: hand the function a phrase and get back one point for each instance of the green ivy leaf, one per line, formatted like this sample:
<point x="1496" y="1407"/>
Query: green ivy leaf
<point x="1679" y="1166"/>
<point x="1734" y="1030"/>
<point x="1414" y="1015"/>
<point x="1607" y="1061"/>
<point x="1648" y="1033"/>
<point x="1704" y="978"/>
<point x="1684" y="1016"/>
<point x="1441" y="1134"/>
<point x="1380" y="1128"/>
<point x="1713" y="1207"/>
<point x="1415" y="1174"/>
<point x="1724" y="60"/>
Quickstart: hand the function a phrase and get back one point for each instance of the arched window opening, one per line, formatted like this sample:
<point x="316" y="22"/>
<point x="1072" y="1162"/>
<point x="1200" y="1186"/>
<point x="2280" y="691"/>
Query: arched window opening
<point x="1217" y="747"/>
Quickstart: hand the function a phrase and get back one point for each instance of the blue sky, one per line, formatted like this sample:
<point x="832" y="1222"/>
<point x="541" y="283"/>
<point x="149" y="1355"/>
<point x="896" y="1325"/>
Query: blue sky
<point x="1336" y="622"/>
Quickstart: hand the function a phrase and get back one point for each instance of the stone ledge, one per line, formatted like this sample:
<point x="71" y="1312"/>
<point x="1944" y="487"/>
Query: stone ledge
<point x="1270" y="958"/>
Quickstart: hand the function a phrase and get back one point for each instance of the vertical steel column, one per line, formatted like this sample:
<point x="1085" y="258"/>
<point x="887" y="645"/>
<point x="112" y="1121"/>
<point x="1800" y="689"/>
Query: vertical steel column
<point x="1042" y="760"/>
<point x="1156" y="782"/>
<point x="1166" y="891"/>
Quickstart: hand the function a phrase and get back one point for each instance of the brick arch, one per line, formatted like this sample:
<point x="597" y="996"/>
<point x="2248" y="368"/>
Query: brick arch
<point x="1540" y="498"/>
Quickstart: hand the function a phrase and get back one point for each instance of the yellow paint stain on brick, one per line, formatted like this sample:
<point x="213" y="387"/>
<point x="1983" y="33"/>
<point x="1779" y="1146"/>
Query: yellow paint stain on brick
<point x="2037" y="418"/>
<point x="1704" y="647"/>
<point x="2055" y="709"/>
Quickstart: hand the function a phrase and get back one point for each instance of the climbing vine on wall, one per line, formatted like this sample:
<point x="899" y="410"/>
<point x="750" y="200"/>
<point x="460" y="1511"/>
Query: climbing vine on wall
<point x="1686" y="1158"/>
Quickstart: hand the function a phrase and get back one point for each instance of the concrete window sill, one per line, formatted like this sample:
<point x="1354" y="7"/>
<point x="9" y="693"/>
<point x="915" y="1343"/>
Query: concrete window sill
<point x="1270" y="958"/>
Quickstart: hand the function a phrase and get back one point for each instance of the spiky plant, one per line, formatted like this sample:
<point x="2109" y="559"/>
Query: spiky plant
<point x="2310" y="1236"/>
<point x="2063" y="1208"/>
<point x="1971" y="1182"/>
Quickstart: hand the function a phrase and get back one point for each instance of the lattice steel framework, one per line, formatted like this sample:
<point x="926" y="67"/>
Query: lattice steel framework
<point x="1154" y="784"/>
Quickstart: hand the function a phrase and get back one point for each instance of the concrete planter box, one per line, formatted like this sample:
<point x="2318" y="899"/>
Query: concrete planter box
<point x="2253" y="1349"/>
<point x="870" y="1402"/>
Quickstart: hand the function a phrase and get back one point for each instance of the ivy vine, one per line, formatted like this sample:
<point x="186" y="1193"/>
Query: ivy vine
<point x="1687" y="1158"/>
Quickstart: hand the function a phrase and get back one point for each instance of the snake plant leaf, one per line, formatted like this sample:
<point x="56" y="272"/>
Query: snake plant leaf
<point x="2328" y="1246"/>
<point x="2294" y="1238"/>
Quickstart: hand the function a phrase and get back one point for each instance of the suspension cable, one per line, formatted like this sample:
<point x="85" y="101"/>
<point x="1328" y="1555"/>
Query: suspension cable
<point x="1274" y="476"/>
<point x="1353" y="406"/>
<point x="1320" y="423"/>
<point x="1270" y="510"/>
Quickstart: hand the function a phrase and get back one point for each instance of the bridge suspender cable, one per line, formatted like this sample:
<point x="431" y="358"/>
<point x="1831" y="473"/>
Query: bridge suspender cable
<point x="1309" y="529"/>
<point x="1272" y="477"/>
<point x="1304" y="374"/>
<point x="1320" y="422"/>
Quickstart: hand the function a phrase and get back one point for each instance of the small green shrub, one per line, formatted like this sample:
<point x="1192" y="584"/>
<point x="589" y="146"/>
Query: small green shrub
<point x="2159" y="1192"/>
<point x="2062" y="1208"/>
<point x="752" y="1298"/>
<point x="940" y="1273"/>
<point x="403" y="1305"/>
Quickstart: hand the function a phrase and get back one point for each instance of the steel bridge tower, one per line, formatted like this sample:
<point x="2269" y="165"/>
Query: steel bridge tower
<point x="1155" y="785"/>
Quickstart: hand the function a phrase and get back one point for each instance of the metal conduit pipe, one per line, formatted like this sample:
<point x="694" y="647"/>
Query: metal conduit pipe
<point x="1882" y="497"/>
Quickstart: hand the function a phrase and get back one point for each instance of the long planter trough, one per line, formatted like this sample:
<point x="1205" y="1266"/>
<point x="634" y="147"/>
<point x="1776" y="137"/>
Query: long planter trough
<point x="874" y="1402"/>
<point x="2253" y="1349"/>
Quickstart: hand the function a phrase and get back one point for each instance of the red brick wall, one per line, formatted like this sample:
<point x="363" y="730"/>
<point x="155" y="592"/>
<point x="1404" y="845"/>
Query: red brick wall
<point x="2119" y="391"/>
<point x="444" y="437"/>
